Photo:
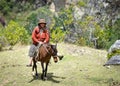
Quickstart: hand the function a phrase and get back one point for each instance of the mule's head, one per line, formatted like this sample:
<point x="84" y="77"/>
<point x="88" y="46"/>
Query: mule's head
<point x="54" y="52"/>
<point x="55" y="59"/>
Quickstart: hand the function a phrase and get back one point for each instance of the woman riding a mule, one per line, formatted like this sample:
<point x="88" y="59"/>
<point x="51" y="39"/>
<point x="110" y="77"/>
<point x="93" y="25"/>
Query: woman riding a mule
<point x="40" y="36"/>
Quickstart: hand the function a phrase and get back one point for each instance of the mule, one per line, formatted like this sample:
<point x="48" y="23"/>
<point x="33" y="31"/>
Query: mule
<point x="45" y="52"/>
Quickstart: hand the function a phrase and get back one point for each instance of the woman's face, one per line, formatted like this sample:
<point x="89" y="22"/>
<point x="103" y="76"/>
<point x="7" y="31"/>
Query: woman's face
<point x="42" y="25"/>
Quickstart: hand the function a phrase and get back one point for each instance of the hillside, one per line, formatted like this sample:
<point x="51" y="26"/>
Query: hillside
<point x="81" y="66"/>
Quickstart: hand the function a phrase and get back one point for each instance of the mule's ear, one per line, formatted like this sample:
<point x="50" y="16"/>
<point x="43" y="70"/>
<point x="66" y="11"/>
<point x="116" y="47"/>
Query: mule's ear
<point x="53" y="46"/>
<point x="48" y="47"/>
<point x="56" y="45"/>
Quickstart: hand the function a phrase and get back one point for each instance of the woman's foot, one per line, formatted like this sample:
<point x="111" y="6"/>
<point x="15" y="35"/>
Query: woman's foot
<point x="60" y="57"/>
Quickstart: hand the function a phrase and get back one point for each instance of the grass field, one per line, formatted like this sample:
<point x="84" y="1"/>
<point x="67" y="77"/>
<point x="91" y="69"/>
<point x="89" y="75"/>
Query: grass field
<point x="81" y="66"/>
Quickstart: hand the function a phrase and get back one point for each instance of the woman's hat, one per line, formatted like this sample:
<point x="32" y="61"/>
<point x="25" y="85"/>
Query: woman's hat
<point x="42" y="21"/>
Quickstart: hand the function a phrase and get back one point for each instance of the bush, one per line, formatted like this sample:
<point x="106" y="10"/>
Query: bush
<point x="81" y="41"/>
<point x="100" y="33"/>
<point x="57" y="35"/>
<point x="61" y="24"/>
<point x="14" y="33"/>
<point x="115" y="52"/>
<point x="114" y="32"/>
<point x="81" y="3"/>
<point x="3" y="41"/>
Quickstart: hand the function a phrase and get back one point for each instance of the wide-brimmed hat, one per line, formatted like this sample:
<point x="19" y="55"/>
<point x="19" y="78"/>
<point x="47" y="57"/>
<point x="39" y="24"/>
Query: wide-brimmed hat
<point x="42" y="21"/>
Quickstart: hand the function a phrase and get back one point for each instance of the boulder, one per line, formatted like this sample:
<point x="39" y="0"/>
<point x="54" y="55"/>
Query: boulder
<point x="114" y="54"/>
<point x="114" y="47"/>
<point x="114" y="60"/>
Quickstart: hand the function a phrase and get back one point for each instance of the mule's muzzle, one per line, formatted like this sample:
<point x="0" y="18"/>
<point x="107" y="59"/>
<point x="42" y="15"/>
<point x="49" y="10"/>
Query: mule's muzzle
<point x="55" y="59"/>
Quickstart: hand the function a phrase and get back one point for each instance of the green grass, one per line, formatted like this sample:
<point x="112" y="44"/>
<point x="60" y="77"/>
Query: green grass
<point x="81" y="66"/>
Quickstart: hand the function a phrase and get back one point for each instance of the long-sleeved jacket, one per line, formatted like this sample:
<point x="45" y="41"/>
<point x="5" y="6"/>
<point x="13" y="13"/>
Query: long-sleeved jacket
<point x="40" y="36"/>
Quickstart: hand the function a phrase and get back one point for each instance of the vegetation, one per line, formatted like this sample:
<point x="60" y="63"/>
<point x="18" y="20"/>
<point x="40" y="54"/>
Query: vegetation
<point x="113" y="53"/>
<point x="3" y="42"/>
<point x="57" y="35"/>
<point x="10" y="7"/>
<point x="14" y="34"/>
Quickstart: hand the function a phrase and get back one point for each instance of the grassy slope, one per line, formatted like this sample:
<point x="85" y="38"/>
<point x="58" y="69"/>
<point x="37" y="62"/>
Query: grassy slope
<point x="81" y="66"/>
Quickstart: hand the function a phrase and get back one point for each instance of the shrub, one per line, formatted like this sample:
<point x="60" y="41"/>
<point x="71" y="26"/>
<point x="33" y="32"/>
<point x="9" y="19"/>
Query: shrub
<point x="3" y="41"/>
<point x="57" y="35"/>
<point x="14" y="33"/>
<point x="81" y="41"/>
<point x="115" y="52"/>
<point x="81" y="3"/>
<point x="61" y="24"/>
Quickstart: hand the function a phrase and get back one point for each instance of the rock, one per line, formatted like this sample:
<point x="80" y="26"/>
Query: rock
<point x="59" y="4"/>
<point x="114" y="47"/>
<point x="115" y="60"/>
<point x="78" y="13"/>
<point x="108" y="67"/>
<point x="52" y="7"/>
<point x="113" y="55"/>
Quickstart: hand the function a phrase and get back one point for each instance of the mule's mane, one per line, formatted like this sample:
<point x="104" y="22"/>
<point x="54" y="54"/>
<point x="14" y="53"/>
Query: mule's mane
<point x="46" y="46"/>
<point x="48" y="49"/>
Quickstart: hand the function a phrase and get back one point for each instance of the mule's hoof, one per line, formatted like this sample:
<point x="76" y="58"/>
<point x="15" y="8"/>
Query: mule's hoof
<point x="36" y="74"/>
<point x="42" y="77"/>
<point x="45" y="78"/>
<point x="29" y="65"/>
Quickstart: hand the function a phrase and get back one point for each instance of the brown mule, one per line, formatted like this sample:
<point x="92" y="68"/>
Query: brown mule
<point x="46" y="51"/>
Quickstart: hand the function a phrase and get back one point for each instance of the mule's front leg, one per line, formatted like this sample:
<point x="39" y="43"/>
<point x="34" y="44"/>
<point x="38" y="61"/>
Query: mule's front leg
<point x="34" y="66"/>
<point x="33" y="73"/>
<point x="42" y="75"/>
<point x="46" y="71"/>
